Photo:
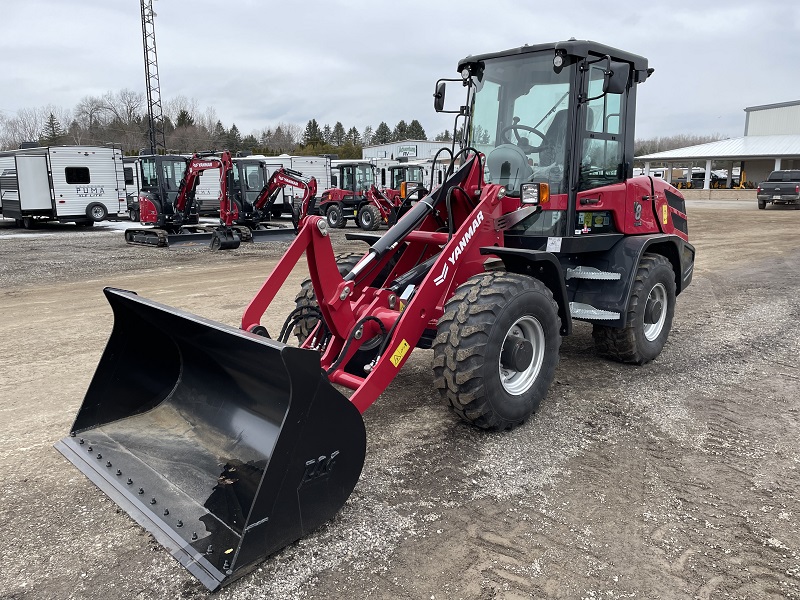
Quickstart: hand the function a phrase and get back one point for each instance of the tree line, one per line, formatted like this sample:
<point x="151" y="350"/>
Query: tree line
<point x="120" y="118"/>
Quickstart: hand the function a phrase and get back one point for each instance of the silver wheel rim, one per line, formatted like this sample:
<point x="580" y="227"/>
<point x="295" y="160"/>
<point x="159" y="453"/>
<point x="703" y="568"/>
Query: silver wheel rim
<point x="519" y="382"/>
<point x="97" y="213"/>
<point x="657" y="294"/>
<point x="366" y="218"/>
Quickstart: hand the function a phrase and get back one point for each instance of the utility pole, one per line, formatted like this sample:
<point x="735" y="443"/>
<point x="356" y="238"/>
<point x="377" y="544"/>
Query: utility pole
<point x="155" y="113"/>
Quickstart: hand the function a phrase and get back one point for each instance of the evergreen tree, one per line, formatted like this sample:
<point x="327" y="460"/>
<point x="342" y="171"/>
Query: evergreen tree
<point x="443" y="137"/>
<point x="352" y="137"/>
<point x="220" y="135"/>
<point x="366" y="137"/>
<point x="312" y="133"/>
<point x="382" y="135"/>
<point x="184" y="119"/>
<point x="400" y="132"/>
<point x="249" y="143"/>
<point x="338" y="134"/>
<point x="234" y="139"/>
<point x="415" y="131"/>
<point x="327" y="134"/>
<point x="52" y="131"/>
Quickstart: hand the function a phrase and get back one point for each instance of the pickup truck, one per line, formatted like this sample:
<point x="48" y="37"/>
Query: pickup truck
<point x="781" y="187"/>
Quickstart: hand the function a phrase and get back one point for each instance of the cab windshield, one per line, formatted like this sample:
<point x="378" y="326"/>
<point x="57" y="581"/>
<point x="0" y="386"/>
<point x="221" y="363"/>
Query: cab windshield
<point x="520" y="119"/>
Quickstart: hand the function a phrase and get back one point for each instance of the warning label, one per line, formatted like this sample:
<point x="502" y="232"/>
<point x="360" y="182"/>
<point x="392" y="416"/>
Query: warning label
<point x="401" y="351"/>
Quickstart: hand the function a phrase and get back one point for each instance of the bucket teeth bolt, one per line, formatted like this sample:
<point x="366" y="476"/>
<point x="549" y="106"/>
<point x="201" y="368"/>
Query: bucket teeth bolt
<point x="194" y="535"/>
<point x="119" y="472"/>
<point x="166" y="512"/>
<point x="89" y="448"/>
<point x="130" y="481"/>
<point x="152" y="500"/>
<point x="210" y="549"/>
<point x="108" y="463"/>
<point x="226" y="565"/>
<point x="81" y="441"/>
<point x="180" y="523"/>
<point x="141" y="491"/>
<point x="99" y="456"/>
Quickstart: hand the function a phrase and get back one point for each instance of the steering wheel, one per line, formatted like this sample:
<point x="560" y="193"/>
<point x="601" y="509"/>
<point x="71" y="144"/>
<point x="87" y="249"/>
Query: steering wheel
<point x="515" y="128"/>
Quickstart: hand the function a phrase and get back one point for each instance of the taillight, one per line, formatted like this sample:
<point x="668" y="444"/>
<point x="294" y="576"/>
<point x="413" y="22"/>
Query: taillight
<point x="758" y="190"/>
<point x="797" y="189"/>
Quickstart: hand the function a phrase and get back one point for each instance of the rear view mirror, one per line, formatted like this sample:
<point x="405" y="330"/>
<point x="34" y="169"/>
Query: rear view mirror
<point x="438" y="97"/>
<point x="616" y="77"/>
<point x="334" y="181"/>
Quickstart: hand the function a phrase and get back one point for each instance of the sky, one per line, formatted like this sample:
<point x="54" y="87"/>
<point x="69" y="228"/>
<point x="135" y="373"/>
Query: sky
<point x="261" y="62"/>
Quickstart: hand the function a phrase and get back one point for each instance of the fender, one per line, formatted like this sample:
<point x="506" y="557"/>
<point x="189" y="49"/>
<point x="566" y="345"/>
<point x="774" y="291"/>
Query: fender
<point x="540" y="265"/>
<point x="624" y="257"/>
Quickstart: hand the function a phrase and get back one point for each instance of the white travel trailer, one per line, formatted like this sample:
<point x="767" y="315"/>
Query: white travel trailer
<point x="80" y="184"/>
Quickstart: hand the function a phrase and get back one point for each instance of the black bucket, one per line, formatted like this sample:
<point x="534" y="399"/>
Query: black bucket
<point x="224" y="445"/>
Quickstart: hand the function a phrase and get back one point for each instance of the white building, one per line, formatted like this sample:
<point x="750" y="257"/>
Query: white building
<point x="410" y="149"/>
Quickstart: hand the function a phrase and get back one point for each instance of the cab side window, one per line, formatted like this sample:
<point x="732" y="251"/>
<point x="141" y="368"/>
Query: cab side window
<point x="602" y="152"/>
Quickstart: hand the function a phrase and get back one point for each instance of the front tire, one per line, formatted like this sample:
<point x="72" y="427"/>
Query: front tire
<point x="369" y="217"/>
<point x="496" y="350"/>
<point x="305" y="327"/>
<point x="335" y="218"/>
<point x="650" y="311"/>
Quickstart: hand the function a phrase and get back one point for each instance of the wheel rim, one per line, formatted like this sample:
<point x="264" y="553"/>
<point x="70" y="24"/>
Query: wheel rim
<point x="97" y="213"/>
<point x="333" y="216"/>
<point x="366" y="218"/>
<point x="519" y="382"/>
<point x="655" y="312"/>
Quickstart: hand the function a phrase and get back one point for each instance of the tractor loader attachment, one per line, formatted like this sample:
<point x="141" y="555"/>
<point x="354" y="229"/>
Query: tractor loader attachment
<point x="225" y="445"/>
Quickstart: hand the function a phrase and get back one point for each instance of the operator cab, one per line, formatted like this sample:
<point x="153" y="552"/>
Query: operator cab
<point x="356" y="177"/>
<point x="161" y="177"/>
<point x="560" y="114"/>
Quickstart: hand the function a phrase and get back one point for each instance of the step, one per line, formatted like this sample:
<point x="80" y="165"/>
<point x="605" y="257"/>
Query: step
<point x="592" y="273"/>
<point x="578" y="310"/>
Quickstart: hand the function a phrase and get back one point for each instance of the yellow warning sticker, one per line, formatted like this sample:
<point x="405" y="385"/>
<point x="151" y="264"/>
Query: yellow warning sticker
<point x="401" y="351"/>
<point x="664" y="214"/>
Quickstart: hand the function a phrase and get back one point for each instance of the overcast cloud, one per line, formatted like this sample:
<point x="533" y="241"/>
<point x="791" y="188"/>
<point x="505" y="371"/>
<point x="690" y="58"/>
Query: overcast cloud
<point x="361" y="62"/>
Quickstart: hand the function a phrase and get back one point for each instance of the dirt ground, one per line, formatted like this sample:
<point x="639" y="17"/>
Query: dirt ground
<point x="678" y="479"/>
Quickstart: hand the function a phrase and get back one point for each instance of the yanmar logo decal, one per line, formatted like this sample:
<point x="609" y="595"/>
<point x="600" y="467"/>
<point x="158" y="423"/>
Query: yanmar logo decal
<point x="440" y="279"/>
<point x="203" y="165"/>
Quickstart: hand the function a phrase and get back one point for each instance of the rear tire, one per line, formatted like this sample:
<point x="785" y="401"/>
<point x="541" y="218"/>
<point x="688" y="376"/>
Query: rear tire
<point x="133" y="215"/>
<point x="762" y="204"/>
<point x="369" y="218"/>
<point x="483" y="320"/>
<point x="650" y="311"/>
<point x="335" y="218"/>
<point x="29" y="222"/>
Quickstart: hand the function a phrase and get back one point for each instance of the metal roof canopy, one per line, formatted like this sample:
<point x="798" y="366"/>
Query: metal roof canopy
<point x="743" y="148"/>
<point x="752" y="147"/>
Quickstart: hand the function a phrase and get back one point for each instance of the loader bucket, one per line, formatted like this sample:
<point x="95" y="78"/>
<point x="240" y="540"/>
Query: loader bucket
<point x="224" y="445"/>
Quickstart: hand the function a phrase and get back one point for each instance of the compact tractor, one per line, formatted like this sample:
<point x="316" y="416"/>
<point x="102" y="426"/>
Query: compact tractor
<point x="167" y="201"/>
<point x="229" y="444"/>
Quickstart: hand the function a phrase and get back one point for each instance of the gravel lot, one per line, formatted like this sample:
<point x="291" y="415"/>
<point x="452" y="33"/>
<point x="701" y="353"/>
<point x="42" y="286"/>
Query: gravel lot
<point x="678" y="479"/>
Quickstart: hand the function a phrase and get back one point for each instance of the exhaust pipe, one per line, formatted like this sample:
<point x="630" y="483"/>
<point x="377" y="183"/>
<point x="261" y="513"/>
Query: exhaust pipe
<point x="224" y="445"/>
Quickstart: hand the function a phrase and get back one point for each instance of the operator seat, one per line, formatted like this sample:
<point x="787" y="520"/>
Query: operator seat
<point x="555" y="139"/>
<point x="254" y="181"/>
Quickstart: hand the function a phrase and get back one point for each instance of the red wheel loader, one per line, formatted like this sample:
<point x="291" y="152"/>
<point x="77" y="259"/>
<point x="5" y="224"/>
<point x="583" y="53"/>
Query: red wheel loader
<point x="230" y="445"/>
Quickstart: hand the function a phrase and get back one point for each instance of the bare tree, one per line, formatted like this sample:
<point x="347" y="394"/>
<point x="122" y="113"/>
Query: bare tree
<point x="125" y="106"/>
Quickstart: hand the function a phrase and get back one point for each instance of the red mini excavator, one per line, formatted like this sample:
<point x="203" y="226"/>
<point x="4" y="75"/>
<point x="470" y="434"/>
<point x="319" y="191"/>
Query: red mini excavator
<point x="168" y="202"/>
<point x="237" y="211"/>
<point x="227" y="445"/>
